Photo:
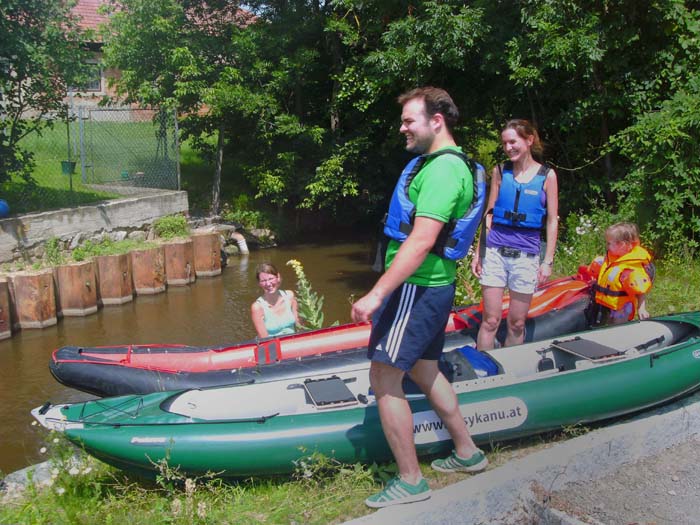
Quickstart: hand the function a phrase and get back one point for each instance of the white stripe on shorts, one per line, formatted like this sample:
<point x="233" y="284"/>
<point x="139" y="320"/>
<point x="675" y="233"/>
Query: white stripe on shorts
<point x="398" y="325"/>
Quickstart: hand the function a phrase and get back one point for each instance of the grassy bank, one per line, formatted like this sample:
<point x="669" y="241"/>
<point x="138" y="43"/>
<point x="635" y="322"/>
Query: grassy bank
<point x="320" y="491"/>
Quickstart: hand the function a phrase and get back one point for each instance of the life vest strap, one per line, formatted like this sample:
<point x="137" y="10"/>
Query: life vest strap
<point x="514" y="216"/>
<point x="405" y="228"/>
<point x="608" y="291"/>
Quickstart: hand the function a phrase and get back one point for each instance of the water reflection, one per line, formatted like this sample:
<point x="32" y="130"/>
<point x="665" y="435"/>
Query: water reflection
<point x="210" y="311"/>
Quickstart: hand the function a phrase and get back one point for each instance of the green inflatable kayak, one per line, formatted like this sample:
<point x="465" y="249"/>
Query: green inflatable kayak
<point x="266" y="428"/>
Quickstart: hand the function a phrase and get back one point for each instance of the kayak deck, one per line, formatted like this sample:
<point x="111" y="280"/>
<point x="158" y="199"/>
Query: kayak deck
<point x="517" y="364"/>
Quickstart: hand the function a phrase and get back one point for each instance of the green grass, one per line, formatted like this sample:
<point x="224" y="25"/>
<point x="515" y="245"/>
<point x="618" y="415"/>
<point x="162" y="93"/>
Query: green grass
<point x="115" y="153"/>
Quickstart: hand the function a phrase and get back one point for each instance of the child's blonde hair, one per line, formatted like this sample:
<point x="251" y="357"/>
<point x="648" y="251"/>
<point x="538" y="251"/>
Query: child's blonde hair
<point x="623" y="232"/>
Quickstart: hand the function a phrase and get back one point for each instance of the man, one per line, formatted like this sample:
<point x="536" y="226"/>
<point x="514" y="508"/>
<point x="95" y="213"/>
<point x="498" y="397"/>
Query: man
<point x="411" y="302"/>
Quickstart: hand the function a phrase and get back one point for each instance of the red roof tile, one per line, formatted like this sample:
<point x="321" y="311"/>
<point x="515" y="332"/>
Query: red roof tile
<point x="87" y="11"/>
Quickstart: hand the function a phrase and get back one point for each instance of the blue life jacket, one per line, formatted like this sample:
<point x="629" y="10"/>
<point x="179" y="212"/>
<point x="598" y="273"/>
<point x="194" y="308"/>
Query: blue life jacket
<point x="519" y="204"/>
<point x="457" y="235"/>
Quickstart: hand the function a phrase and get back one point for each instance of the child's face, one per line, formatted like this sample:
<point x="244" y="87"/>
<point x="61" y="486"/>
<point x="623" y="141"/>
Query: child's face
<point x="617" y="248"/>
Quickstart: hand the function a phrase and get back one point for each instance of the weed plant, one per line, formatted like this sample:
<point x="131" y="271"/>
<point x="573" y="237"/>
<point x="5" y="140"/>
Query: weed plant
<point x="53" y="256"/>
<point x="171" y="227"/>
<point x="309" y="303"/>
<point x="107" y="246"/>
<point x="467" y="287"/>
<point x="81" y="490"/>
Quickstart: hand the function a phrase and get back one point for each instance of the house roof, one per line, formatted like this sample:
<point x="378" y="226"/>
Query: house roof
<point x="90" y="18"/>
<point x="87" y="11"/>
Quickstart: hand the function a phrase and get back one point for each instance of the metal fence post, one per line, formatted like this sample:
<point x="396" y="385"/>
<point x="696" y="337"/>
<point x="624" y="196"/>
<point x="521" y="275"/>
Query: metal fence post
<point x="177" y="149"/>
<point x="83" y="172"/>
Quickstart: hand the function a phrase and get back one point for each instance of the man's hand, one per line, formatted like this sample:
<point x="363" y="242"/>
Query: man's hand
<point x="364" y="307"/>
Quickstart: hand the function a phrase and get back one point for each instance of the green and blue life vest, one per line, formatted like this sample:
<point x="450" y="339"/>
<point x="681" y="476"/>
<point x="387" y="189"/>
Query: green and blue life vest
<point x="457" y="235"/>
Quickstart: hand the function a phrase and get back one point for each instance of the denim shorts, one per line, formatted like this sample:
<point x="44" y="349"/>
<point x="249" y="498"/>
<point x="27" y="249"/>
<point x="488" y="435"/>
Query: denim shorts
<point x="410" y="325"/>
<point x="518" y="274"/>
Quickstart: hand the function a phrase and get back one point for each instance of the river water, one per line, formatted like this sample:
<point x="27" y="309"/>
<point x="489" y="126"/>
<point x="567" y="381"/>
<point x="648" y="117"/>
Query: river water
<point x="210" y="311"/>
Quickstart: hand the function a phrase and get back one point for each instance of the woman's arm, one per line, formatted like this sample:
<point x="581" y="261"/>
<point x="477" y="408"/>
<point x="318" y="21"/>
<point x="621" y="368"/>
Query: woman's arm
<point x="295" y="307"/>
<point x="551" y="189"/>
<point x="258" y="316"/>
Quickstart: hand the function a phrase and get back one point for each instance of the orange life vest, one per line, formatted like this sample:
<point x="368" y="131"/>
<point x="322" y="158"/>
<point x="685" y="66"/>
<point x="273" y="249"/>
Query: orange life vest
<point x="622" y="280"/>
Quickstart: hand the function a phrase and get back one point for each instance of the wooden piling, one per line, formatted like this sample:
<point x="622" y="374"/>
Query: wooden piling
<point x="33" y="299"/>
<point x="114" y="281"/>
<point x="76" y="289"/>
<point x="179" y="262"/>
<point x="207" y="254"/>
<point x="148" y="270"/>
<point x="5" y="319"/>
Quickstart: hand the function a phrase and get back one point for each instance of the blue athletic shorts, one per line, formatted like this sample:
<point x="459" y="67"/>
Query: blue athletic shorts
<point x="410" y="325"/>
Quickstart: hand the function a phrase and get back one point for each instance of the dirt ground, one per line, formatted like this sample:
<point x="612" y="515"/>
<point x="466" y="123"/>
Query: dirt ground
<point x="660" y="490"/>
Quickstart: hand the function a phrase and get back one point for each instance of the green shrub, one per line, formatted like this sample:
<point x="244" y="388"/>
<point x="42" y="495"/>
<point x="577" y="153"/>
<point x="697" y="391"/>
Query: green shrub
<point x="240" y="210"/>
<point x="248" y="218"/>
<point x="171" y="226"/>
<point x="662" y="183"/>
<point x="467" y="287"/>
<point x="107" y="246"/>
<point x="53" y="256"/>
<point x="582" y="238"/>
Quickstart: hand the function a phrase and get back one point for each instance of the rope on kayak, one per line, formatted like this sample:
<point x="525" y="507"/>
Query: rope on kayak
<point x="260" y="420"/>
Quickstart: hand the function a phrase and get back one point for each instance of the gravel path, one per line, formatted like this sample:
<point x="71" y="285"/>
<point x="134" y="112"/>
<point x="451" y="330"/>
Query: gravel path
<point x="663" y="489"/>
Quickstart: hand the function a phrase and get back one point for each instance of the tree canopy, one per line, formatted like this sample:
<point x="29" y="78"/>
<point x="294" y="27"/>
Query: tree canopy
<point x="302" y="94"/>
<point x="41" y="53"/>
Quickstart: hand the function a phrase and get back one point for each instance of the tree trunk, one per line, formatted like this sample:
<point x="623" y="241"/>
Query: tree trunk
<point x="216" y="186"/>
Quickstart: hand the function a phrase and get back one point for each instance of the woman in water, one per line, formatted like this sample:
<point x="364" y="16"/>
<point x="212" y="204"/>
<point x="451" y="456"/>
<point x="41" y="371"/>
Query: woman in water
<point x="275" y="311"/>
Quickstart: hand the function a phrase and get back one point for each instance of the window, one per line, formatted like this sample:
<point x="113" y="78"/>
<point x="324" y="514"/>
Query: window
<point x="94" y="82"/>
<point x="93" y="79"/>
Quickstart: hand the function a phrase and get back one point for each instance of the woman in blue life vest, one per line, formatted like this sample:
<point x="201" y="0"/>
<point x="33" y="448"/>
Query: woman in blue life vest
<point x="275" y="311"/>
<point x="523" y="200"/>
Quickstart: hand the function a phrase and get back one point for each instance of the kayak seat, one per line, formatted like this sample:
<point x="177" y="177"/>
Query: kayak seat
<point x="586" y="349"/>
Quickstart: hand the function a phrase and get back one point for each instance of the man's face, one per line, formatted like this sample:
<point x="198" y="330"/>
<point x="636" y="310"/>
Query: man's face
<point x="417" y="127"/>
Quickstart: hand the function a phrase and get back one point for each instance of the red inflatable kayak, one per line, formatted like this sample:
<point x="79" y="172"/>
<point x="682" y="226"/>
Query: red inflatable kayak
<point x="101" y="370"/>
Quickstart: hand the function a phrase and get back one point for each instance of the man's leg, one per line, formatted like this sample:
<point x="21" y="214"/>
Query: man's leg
<point x="396" y="418"/>
<point x="517" y="313"/>
<point x="444" y="401"/>
<point x="492" y="299"/>
<point x="465" y="457"/>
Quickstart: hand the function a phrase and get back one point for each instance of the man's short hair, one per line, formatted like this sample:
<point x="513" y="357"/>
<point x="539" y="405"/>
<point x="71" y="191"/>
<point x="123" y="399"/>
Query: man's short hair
<point x="436" y="100"/>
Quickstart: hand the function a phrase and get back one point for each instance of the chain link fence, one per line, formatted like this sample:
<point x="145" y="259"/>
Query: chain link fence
<point x="98" y="154"/>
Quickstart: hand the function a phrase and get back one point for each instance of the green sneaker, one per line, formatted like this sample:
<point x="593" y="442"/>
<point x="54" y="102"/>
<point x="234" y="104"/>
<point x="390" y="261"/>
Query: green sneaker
<point x="397" y="491"/>
<point x="454" y="463"/>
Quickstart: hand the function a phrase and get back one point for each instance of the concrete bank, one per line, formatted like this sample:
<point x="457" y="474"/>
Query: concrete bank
<point x="23" y="236"/>
<point x="520" y="492"/>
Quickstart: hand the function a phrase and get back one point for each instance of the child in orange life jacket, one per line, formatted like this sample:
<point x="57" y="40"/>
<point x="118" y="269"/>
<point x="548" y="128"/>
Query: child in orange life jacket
<point x="624" y="277"/>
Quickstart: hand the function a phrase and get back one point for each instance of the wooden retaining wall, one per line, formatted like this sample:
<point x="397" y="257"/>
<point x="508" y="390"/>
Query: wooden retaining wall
<point x="37" y="299"/>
